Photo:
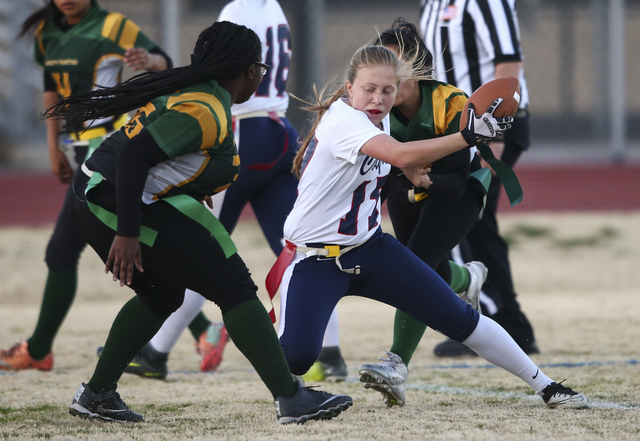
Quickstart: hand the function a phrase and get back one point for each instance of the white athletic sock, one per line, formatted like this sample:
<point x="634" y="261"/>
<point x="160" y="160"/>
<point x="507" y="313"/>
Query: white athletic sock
<point x="168" y="335"/>
<point x="332" y="333"/>
<point x="490" y="341"/>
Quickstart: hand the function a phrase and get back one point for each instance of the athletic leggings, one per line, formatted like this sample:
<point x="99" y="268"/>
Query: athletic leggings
<point x="390" y="273"/>
<point x="431" y="228"/>
<point x="66" y="245"/>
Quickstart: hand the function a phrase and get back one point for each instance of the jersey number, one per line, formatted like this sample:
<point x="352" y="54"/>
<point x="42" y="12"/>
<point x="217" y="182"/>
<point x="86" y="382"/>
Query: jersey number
<point x="64" y="86"/>
<point x="134" y="126"/>
<point x="349" y="223"/>
<point x="280" y="74"/>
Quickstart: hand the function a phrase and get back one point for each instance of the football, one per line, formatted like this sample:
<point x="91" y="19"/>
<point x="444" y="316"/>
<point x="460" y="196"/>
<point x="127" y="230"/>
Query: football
<point x="507" y="88"/>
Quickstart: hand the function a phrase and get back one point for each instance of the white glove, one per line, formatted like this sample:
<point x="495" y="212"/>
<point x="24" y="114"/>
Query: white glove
<point x="486" y="126"/>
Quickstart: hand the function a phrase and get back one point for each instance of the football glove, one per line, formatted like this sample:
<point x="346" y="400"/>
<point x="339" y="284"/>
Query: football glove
<point x="486" y="126"/>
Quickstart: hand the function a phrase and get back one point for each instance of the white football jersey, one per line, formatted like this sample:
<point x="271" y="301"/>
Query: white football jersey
<point x="339" y="191"/>
<point x="265" y="18"/>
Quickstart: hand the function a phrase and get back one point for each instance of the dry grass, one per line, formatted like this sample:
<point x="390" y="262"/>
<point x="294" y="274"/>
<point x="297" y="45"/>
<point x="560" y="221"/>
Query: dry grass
<point x="576" y="278"/>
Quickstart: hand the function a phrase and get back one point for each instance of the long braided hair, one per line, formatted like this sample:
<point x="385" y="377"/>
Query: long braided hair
<point x="223" y="50"/>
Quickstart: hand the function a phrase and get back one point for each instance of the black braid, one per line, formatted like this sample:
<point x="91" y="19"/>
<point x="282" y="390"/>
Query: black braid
<point x="223" y="50"/>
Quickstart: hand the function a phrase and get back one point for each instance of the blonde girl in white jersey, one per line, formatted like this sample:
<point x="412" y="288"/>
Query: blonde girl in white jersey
<point x="335" y="246"/>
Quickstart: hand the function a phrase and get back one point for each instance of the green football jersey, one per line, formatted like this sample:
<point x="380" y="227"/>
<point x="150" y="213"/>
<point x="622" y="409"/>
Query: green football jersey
<point x="439" y="115"/>
<point x="442" y="105"/>
<point x="90" y="52"/>
<point x="194" y="128"/>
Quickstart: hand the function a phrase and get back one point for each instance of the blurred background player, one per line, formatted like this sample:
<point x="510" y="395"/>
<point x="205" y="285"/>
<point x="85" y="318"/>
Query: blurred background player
<point x="475" y="41"/>
<point x="79" y="45"/>
<point x="267" y="144"/>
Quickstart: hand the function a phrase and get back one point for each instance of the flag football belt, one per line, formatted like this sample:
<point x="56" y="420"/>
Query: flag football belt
<point x="416" y="194"/>
<point x="186" y="205"/>
<point x="274" y="278"/>
<point x="101" y="130"/>
<point x="260" y="114"/>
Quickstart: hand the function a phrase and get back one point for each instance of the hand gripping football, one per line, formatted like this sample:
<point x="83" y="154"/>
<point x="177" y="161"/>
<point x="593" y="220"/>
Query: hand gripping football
<point x="507" y="88"/>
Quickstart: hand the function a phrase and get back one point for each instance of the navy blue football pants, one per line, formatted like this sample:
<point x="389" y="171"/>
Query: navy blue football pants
<point x="390" y="273"/>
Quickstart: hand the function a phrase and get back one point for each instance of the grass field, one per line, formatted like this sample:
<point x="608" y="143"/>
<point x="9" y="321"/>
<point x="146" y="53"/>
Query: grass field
<point x="577" y="279"/>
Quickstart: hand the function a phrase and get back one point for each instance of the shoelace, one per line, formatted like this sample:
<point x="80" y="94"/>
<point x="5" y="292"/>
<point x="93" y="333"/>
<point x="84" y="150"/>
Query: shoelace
<point x="116" y="397"/>
<point x="559" y="388"/>
<point x="213" y="334"/>
<point x="391" y="358"/>
<point x="564" y="389"/>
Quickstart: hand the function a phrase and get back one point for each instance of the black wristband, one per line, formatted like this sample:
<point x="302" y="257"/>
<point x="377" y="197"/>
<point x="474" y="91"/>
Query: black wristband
<point x="469" y="137"/>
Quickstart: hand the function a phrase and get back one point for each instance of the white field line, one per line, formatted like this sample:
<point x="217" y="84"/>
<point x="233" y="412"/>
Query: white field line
<point x="600" y="404"/>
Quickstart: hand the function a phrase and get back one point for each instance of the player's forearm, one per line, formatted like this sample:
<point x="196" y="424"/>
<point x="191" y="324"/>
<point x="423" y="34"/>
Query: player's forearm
<point x="508" y="69"/>
<point x="157" y="62"/>
<point x="53" y="125"/>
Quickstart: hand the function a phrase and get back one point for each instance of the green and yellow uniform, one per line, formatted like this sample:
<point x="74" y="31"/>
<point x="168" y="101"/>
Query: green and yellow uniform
<point x="186" y="142"/>
<point x="193" y="128"/>
<point x="177" y="149"/>
<point x="77" y="58"/>
<point x="439" y="115"/>
<point x="431" y="222"/>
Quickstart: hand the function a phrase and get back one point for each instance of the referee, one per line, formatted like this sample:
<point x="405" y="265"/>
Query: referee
<point x="472" y="42"/>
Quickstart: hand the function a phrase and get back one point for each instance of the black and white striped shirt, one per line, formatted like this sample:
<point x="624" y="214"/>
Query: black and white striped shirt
<point x="469" y="37"/>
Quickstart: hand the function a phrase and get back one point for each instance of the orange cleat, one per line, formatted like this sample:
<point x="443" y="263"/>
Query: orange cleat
<point x="18" y="358"/>
<point x="210" y="346"/>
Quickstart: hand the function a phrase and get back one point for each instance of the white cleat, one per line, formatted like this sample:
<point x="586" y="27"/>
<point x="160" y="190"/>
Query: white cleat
<point x="388" y="378"/>
<point x="477" y="275"/>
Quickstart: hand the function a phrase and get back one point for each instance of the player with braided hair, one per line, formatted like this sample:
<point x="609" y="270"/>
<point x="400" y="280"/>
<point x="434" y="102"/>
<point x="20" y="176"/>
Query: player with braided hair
<point x="138" y="204"/>
<point x="266" y="145"/>
<point x="79" y="45"/>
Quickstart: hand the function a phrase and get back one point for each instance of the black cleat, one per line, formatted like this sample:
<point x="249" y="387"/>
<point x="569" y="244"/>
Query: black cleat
<point x="556" y="395"/>
<point x="308" y="404"/>
<point x="106" y="406"/>
<point x="148" y="363"/>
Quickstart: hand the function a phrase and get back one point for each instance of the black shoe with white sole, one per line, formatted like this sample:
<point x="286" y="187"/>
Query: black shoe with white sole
<point x="106" y="406"/>
<point x="308" y="404"/>
<point x="556" y="396"/>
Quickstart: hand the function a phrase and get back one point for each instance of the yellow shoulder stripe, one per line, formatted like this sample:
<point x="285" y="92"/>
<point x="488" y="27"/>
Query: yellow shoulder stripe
<point x="443" y="115"/>
<point x="129" y="35"/>
<point x="207" y="110"/>
<point x="111" y="27"/>
<point x="38" y="35"/>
